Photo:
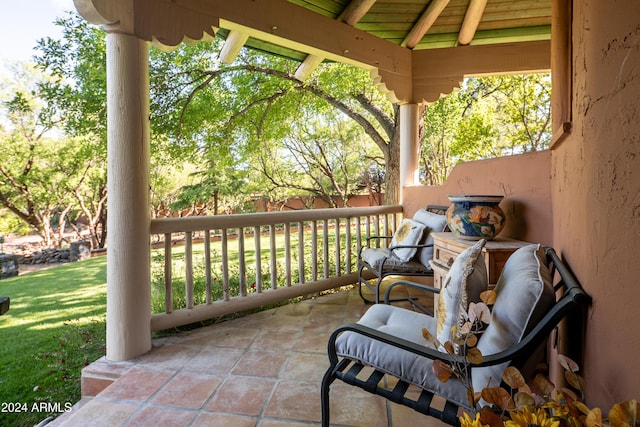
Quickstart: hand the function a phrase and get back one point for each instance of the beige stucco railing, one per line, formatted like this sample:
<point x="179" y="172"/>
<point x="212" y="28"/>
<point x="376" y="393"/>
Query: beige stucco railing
<point x="308" y="229"/>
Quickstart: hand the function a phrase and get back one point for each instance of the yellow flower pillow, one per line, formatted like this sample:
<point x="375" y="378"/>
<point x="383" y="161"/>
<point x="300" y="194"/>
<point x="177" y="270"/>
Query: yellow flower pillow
<point x="465" y="281"/>
<point x="409" y="233"/>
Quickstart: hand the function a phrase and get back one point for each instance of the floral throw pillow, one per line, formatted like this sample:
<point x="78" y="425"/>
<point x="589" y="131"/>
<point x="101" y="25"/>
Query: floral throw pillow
<point x="434" y="222"/>
<point x="409" y="233"/>
<point x="465" y="281"/>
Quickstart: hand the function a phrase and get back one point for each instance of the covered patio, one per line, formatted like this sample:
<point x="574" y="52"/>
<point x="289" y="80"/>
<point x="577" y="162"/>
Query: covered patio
<point x="562" y="197"/>
<point x="260" y="370"/>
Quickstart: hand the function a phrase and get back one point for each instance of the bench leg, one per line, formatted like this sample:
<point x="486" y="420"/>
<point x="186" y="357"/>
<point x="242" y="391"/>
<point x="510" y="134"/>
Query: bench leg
<point x="363" y="282"/>
<point x="327" y="379"/>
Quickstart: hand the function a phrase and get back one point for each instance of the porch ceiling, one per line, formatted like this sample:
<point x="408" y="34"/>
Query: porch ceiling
<point x="415" y="49"/>
<point x="430" y="24"/>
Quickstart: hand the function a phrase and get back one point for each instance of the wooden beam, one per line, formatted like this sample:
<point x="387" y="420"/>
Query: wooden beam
<point x="438" y="71"/>
<point x="276" y="21"/>
<point x="561" y="54"/>
<point x="309" y="64"/>
<point x="233" y="44"/>
<point x="355" y="11"/>
<point x="424" y="23"/>
<point x="115" y="14"/>
<point x="471" y="21"/>
<point x="350" y="15"/>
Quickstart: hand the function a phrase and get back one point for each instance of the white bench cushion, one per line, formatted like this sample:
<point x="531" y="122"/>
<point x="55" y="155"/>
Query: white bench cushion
<point x="405" y="365"/>
<point x="376" y="256"/>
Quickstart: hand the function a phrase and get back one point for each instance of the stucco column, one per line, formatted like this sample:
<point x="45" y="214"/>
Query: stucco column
<point x="128" y="250"/>
<point x="409" y="146"/>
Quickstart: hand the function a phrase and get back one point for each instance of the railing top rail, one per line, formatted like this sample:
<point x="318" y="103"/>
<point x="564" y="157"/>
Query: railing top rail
<point x="197" y="223"/>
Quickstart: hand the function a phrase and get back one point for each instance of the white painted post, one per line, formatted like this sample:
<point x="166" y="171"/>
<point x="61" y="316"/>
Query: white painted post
<point x="409" y="146"/>
<point x="128" y="248"/>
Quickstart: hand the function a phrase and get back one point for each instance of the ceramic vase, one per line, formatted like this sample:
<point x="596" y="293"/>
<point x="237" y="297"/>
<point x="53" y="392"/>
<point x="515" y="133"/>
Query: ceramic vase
<point x="475" y="217"/>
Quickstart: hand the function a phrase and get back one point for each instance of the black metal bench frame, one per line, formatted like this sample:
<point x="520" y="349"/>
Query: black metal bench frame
<point x="385" y="270"/>
<point x="572" y="300"/>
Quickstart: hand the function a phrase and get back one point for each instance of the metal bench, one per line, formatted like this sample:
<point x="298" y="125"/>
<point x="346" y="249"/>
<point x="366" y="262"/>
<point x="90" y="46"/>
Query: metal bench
<point x="386" y="264"/>
<point x="357" y="370"/>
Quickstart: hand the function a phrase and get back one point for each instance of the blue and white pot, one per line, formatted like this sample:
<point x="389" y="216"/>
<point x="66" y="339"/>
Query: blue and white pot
<point x="475" y="217"/>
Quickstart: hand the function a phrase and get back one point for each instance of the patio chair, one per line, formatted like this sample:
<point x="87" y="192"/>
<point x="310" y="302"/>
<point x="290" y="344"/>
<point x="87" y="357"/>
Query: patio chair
<point x="408" y="251"/>
<point x="387" y="341"/>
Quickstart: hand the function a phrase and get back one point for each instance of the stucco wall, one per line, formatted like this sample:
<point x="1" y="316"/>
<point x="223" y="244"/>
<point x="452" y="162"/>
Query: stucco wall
<point x="596" y="193"/>
<point x="523" y="180"/>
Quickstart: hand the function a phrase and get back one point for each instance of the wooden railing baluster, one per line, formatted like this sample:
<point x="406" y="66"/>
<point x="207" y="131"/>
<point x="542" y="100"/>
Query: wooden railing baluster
<point x="188" y="266"/>
<point x="287" y="252"/>
<point x="207" y="265"/>
<point x="273" y="256"/>
<point x="231" y="295"/>
<point x="225" y="264"/>
<point x="301" y="252"/>
<point x="258" y="252"/>
<point x="241" y="258"/>
<point x="168" y="284"/>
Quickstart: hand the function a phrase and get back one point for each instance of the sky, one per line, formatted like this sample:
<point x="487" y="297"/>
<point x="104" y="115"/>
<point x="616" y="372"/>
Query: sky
<point x="26" y="21"/>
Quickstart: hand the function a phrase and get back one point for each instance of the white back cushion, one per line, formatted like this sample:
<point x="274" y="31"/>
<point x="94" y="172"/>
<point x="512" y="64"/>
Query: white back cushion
<point x="525" y="294"/>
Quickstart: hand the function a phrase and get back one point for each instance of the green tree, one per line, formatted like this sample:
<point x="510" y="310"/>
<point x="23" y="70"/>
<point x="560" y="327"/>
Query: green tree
<point x="29" y="174"/>
<point x="257" y="99"/>
<point x="487" y="117"/>
<point x="323" y="157"/>
<point x="76" y="102"/>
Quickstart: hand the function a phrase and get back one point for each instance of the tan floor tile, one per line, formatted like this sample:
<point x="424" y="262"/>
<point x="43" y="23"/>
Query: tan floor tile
<point x="161" y="417"/>
<point x="137" y="384"/>
<point x="188" y="390"/>
<point x="261" y="370"/>
<point x="227" y="337"/>
<point x="224" y="420"/>
<point x="214" y="360"/>
<point x="295" y="310"/>
<point x="241" y="395"/>
<point x="354" y="407"/>
<point x="261" y="363"/>
<point x="283" y="423"/>
<point x="404" y="416"/>
<point x="333" y="298"/>
<point x="99" y="413"/>
<point x="312" y="342"/>
<point x="295" y="400"/>
<point x="106" y="368"/>
<point x="327" y="312"/>
<point x="268" y="320"/>
<point x="170" y="356"/>
<point x="274" y="339"/>
<point x="319" y="325"/>
<point x="305" y="367"/>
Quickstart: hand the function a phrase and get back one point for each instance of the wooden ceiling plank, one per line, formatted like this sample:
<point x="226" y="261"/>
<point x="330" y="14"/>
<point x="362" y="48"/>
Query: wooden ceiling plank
<point x="326" y="8"/>
<point x="424" y="23"/>
<point x="471" y="21"/>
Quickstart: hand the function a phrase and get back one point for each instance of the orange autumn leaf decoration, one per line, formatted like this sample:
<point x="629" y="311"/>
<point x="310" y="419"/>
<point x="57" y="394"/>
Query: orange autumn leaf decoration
<point x="488" y="297"/>
<point x="513" y="378"/>
<point x="624" y="414"/>
<point x="441" y="370"/>
<point x="474" y="356"/>
<point x="498" y="396"/>
<point x="593" y="418"/>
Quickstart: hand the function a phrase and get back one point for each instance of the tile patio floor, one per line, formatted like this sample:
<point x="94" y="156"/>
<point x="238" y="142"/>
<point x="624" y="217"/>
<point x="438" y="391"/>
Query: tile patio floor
<point x="261" y="370"/>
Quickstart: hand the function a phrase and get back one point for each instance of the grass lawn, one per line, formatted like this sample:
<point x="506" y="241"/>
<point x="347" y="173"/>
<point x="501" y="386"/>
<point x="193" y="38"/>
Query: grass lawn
<point x="56" y="323"/>
<point x="55" y="326"/>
